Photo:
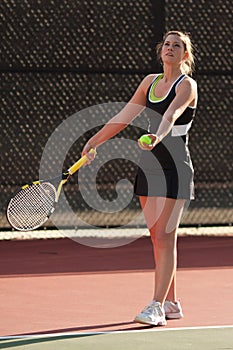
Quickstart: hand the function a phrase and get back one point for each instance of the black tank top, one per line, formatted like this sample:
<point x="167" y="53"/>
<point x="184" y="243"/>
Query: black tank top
<point x="174" y="147"/>
<point x="160" y="105"/>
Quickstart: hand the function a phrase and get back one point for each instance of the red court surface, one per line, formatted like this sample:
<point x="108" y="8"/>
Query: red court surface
<point x="54" y="286"/>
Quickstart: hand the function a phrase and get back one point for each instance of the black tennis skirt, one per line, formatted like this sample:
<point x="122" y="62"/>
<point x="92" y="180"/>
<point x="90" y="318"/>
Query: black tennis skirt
<point x="154" y="180"/>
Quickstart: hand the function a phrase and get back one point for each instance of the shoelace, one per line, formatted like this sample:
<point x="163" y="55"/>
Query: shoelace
<point x="152" y="308"/>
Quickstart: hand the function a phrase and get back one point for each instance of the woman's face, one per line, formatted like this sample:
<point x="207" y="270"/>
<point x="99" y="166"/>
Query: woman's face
<point x="173" y="49"/>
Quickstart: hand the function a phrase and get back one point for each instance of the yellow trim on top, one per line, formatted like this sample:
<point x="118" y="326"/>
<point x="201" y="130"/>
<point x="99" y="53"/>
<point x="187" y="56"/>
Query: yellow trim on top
<point x="152" y="97"/>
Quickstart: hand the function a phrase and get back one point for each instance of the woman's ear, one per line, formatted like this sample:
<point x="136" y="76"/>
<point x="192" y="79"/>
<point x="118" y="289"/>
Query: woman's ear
<point x="186" y="55"/>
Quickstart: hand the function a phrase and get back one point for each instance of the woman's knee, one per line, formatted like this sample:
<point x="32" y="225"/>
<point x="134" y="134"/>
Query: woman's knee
<point x="164" y="240"/>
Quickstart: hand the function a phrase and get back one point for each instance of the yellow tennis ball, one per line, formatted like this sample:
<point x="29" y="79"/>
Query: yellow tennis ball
<point x="146" y="139"/>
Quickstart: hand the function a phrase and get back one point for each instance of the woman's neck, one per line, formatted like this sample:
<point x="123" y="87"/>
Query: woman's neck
<point x="171" y="73"/>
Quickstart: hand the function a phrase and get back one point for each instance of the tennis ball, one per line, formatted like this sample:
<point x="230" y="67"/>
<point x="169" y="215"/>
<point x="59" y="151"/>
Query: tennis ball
<point x="146" y="139"/>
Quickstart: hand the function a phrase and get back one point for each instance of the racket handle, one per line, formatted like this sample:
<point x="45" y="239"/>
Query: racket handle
<point x="80" y="163"/>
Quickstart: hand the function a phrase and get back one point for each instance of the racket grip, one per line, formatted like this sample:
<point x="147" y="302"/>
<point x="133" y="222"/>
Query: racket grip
<point x="80" y="163"/>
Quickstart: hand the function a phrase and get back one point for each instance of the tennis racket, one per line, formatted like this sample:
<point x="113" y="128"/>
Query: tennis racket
<point x="32" y="204"/>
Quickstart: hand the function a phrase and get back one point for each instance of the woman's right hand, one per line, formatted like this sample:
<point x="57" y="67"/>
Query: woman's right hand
<point x="86" y="152"/>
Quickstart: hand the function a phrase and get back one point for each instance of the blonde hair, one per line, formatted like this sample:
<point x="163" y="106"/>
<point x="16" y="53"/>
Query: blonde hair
<point x="188" y="64"/>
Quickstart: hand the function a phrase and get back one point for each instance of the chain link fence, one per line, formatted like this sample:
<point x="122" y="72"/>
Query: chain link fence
<point x="62" y="57"/>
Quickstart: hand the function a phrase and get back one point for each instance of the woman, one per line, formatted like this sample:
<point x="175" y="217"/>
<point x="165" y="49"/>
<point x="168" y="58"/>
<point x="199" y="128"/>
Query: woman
<point x="164" y="180"/>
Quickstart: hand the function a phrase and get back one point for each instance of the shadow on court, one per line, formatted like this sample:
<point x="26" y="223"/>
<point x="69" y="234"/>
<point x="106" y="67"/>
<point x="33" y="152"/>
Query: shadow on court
<point x="93" y="328"/>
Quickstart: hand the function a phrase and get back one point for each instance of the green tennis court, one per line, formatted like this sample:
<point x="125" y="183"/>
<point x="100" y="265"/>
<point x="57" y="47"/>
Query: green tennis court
<point x="212" y="338"/>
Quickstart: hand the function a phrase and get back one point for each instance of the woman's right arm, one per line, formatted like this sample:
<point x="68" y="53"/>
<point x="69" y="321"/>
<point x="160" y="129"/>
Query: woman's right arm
<point x="120" y="121"/>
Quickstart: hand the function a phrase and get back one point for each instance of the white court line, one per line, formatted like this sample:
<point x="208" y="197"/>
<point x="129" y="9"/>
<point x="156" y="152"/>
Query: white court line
<point x="155" y="329"/>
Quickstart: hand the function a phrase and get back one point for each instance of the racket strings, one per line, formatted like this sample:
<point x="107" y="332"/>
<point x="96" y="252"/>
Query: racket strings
<point x="31" y="206"/>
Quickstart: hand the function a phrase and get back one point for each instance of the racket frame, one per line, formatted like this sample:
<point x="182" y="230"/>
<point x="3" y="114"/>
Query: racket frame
<point x="63" y="179"/>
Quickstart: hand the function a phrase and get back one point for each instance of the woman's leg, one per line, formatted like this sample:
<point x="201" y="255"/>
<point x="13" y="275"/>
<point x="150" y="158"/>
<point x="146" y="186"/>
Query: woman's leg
<point x="162" y="217"/>
<point x="171" y="295"/>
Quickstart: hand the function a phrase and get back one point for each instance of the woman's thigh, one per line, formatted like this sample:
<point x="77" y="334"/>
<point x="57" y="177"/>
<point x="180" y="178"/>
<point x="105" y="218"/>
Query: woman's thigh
<point x="162" y="214"/>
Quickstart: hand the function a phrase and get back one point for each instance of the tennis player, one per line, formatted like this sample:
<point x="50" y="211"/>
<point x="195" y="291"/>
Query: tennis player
<point x="164" y="181"/>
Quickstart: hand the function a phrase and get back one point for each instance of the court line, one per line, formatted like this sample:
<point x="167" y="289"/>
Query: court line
<point x="79" y="334"/>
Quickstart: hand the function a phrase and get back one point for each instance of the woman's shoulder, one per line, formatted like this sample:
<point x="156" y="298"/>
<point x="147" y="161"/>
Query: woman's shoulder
<point x="190" y="80"/>
<point x="152" y="76"/>
<point x="187" y="82"/>
<point x="148" y="79"/>
<point x="146" y="82"/>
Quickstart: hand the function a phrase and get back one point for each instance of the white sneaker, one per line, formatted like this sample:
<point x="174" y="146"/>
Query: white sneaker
<point x="152" y="314"/>
<point x="173" y="310"/>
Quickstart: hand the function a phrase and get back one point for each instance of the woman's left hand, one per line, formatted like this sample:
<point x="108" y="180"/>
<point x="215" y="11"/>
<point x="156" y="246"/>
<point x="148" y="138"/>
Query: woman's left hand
<point x="148" y="147"/>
